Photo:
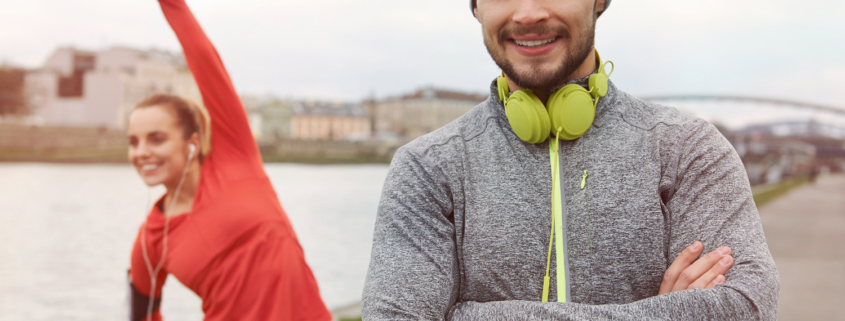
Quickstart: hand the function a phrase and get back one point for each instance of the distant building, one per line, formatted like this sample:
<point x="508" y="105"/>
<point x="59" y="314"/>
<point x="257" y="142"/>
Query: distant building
<point x="269" y="117"/>
<point x="276" y="119"/>
<point x="12" y="99"/>
<point x="780" y="150"/>
<point x="770" y="159"/>
<point x="421" y="112"/>
<point x="98" y="89"/>
<point x="252" y="105"/>
<point x="328" y="121"/>
<point x="795" y="128"/>
<point x="369" y="106"/>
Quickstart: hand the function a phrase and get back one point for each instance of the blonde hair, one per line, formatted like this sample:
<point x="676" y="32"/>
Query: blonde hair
<point x="192" y="117"/>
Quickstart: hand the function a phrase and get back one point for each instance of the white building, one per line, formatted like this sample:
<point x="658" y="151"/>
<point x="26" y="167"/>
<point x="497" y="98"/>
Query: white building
<point x="421" y="112"/>
<point x="329" y="121"/>
<point x="80" y="88"/>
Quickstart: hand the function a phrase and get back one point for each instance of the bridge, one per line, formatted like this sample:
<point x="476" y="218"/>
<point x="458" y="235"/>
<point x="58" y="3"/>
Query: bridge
<point x="808" y="130"/>
<point x="746" y="99"/>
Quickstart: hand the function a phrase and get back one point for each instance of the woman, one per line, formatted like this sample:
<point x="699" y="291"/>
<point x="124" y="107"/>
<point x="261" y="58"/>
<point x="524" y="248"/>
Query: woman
<point x="219" y="229"/>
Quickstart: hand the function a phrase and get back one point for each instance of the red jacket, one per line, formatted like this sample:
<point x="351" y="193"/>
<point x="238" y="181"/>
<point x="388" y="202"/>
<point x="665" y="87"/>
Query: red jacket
<point x="236" y="248"/>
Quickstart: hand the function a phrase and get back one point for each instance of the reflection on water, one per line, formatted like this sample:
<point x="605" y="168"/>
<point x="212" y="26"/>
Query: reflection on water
<point x="66" y="232"/>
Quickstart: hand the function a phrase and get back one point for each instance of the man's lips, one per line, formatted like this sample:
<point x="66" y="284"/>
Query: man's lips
<point x="533" y="45"/>
<point x="534" y="36"/>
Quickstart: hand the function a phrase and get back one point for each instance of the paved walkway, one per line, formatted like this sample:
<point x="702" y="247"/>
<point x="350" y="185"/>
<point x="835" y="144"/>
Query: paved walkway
<point x="805" y="230"/>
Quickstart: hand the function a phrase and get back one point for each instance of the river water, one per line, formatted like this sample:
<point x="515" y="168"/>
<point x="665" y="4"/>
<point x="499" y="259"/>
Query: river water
<point x="66" y="232"/>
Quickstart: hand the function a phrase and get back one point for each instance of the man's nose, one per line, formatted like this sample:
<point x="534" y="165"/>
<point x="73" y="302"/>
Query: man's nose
<point x="530" y="12"/>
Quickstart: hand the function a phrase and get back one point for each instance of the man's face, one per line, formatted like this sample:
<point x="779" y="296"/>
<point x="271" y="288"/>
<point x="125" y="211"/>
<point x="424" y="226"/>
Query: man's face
<point x="538" y="43"/>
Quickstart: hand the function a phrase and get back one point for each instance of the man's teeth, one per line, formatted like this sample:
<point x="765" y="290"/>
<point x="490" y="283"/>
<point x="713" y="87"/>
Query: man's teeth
<point x="148" y="167"/>
<point x="533" y="43"/>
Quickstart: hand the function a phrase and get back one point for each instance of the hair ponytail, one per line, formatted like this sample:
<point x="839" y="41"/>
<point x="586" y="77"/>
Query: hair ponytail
<point x="204" y="120"/>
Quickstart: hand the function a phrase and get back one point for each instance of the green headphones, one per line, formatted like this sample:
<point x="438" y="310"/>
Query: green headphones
<point x="568" y="113"/>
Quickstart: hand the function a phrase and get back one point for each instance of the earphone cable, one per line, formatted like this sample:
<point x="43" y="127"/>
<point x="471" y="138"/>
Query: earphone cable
<point x="154" y="272"/>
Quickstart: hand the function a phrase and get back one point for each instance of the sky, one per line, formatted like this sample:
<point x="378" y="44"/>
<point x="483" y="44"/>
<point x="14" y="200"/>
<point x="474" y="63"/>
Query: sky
<point x="350" y="50"/>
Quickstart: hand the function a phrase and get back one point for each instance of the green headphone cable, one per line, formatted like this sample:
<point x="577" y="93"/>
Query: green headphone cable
<point x="555" y="164"/>
<point x="546" y="278"/>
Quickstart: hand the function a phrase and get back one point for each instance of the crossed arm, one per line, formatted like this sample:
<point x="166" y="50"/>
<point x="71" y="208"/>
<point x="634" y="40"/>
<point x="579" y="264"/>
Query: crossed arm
<point x="414" y="273"/>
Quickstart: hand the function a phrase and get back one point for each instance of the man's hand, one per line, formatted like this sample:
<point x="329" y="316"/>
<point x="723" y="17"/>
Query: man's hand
<point x="704" y="273"/>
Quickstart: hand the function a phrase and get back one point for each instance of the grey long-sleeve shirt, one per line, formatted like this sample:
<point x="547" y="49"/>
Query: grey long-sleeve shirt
<point x="463" y="223"/>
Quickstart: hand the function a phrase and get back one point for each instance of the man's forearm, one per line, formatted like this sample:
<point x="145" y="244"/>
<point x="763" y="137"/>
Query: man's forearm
<point x="719" y="303"/>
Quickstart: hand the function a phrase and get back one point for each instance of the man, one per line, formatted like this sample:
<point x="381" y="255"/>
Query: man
<point x="476" y="223"/>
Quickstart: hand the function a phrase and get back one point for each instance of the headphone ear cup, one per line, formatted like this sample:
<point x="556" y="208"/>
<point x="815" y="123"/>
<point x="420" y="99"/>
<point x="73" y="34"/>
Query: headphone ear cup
<point x="571" y="109"/>
<point x="528" y="117"/>
<point x="598" y="84"/>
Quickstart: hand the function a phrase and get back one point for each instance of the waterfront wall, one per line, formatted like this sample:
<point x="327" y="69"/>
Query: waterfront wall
<point x="291" y="149"/>
<point x="19" y="137"/>
<point x="39" y="143"/>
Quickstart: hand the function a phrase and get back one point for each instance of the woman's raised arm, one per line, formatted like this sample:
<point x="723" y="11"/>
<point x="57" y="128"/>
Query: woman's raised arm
<point x="231" y="139"/>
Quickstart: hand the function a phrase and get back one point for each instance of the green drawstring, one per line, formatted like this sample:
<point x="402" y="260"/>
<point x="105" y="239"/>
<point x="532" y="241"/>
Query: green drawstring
<point x="587" y="196"/>
<point x="584" y="180"/>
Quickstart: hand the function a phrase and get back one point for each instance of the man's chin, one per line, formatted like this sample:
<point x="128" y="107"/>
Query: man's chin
<point x="533" y="72"/>
<point x="534" y="79"/>
<point x="542" y="73"/>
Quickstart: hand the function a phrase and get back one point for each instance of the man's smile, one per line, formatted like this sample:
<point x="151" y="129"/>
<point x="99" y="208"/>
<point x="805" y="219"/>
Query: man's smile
<point x="533" y="45"/>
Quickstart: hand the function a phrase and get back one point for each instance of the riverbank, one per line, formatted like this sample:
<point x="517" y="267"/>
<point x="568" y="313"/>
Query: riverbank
<point x="765" y="194"/>
<point x="73" y="155"/>
<point x="323" y="159"/>
<point x="102" y="145"/>
<point x="112" y="156"/>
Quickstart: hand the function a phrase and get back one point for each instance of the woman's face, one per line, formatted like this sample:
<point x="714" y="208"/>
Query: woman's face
<point x="157" y="145"/>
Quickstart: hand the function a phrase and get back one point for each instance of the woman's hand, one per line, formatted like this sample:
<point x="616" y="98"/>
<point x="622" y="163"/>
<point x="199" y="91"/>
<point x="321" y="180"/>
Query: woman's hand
<point x="688" y="273"/>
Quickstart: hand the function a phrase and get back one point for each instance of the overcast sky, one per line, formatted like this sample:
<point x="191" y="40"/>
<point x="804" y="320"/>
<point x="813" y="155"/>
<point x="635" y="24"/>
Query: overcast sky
<point x="348" y="50"/>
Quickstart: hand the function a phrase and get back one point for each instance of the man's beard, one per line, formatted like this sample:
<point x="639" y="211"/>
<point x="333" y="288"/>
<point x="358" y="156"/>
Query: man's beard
<point x="536" y="79"/>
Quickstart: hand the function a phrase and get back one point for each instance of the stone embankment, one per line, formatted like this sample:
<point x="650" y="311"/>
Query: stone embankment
<point x="61" y="144"/>
<point x="66" y="144"/>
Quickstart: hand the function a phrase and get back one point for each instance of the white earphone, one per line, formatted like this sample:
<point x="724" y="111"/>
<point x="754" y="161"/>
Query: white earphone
<point x="193" y="149"/>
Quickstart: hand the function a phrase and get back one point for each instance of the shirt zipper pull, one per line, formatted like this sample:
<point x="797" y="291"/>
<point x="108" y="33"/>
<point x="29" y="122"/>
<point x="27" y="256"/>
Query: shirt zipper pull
<point x="584" y="180"/>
